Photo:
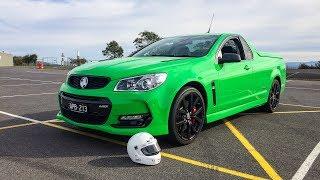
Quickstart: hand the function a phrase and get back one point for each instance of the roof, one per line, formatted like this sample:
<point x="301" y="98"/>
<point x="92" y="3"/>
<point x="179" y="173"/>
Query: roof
<point x="202" y="34"/>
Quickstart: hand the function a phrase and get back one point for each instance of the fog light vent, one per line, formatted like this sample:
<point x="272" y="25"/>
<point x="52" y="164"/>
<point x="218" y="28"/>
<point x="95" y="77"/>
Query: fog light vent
<point x="133" y="117"/>
<point x="137" y="120"/>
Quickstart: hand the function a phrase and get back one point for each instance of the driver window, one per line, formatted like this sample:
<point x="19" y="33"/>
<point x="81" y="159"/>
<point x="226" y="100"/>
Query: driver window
<point x="232" y="46"/>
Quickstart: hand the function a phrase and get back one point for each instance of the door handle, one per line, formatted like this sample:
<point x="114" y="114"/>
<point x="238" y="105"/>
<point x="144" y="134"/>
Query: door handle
<point x="246" y="67"/>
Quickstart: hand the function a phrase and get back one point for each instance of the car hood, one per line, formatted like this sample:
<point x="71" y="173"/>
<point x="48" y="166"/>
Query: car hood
<point x="131" y="66"/>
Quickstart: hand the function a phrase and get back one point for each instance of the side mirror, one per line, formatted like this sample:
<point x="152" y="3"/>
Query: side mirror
<point x="229" y="58"/>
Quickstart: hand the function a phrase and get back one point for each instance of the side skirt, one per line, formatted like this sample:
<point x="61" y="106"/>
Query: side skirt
<point x="232" y="111"/>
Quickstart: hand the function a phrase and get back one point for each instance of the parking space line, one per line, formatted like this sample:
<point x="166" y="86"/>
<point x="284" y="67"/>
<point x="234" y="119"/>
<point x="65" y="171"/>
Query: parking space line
<point x="306" y="165"/>
<point x="167" y="155"/>
<point x="46" y="73"/>
<point x="290" y="87"/>
<point x="298" y="105"/>
<point x="296" y="112"/>
<point x="54" y="121"/>
<point x="28" y="124"/>
<point x="22" y="79"/>
<point x="293" y="80"/>
<point x="210" y="166"/>
<point x="18" y="125"/>
<point x="259" y="158"/>
<point x="38" y="84"/>
<point x="283" y="112"/>
<point x="24" y="95"/>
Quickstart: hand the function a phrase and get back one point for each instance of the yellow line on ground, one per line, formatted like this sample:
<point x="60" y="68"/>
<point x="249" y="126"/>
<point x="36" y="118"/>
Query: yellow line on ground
<point x="53" y="120"/>
<point x="296" y="112"/>
<point x="259" y="158"/>
<point x="167" y="155"/>
<point x="84" y="133"/>
<point x="18" y="125"/>
<point x="298" y="105"/>
<point x="28" y="124"/>
<point x="210" y="166"/>
<point x="283" y="112"/>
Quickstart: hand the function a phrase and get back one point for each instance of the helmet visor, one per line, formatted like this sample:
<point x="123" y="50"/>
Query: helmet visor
<point x="151" y="149"/>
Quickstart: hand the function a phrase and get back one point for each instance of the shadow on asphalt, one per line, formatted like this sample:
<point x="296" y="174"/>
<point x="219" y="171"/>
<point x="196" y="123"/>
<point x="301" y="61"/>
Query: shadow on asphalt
<point x="114" y="161"/>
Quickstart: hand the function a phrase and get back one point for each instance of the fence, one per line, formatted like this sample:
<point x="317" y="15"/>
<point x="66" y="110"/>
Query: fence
<point x="62" y="63"/>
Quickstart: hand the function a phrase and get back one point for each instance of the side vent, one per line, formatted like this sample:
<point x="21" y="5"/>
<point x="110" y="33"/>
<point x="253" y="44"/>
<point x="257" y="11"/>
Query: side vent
<point x="213" y="87"/>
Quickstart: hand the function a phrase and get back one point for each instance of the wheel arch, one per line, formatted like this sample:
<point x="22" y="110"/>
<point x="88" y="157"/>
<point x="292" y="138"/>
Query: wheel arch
<point x="275" y="75"/>
<point x="182" y="88"/>
<point x="197" y="85"/>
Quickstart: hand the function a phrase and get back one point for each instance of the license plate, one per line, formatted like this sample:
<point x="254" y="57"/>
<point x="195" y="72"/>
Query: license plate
<point x="80" y="108"/>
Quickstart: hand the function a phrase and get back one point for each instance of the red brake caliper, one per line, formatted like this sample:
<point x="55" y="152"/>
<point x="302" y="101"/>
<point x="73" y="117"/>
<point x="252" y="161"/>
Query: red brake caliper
<point x="194" y="110"/>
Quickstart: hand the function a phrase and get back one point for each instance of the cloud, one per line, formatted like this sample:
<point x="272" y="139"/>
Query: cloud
<point x="52" y="27"/>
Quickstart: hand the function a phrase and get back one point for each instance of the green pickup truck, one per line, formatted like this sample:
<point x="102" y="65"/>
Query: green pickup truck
<point x="173" y="87"/>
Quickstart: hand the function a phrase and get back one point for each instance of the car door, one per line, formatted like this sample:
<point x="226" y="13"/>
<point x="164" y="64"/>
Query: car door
<point x="234" y="82"/>
<point x="260" y="72"/>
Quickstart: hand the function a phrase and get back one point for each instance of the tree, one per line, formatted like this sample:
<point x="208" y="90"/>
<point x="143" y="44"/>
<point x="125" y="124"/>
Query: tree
<point x="30" y="59"/>
<point x="17" y="61"/>
<point x="77" y="61"/>
<point x="145" y="38"/>
<point x="113" y="50"/>
<point x="25" y="60"/>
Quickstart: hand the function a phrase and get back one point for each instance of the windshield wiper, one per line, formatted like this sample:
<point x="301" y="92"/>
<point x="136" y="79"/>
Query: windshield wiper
<point x="167" y="55"/>
<point x="183" y="56"/>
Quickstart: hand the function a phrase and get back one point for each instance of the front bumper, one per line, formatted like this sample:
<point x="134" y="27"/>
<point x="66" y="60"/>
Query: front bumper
<point x="156" y="103"/>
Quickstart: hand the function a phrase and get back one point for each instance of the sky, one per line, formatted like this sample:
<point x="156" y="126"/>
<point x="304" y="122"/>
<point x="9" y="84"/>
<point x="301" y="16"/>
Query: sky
<point x="51" y="27"/>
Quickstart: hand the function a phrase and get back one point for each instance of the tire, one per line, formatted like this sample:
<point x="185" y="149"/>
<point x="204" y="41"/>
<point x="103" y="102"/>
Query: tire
<point x="187" y="116"/>
<point x="273" y="98"/>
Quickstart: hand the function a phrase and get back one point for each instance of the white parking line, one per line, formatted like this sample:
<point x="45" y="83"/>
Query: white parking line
<point x="298" y="105"/>
<point x="46" y="73"/>
<point x="306" y="165"/>
<point x="21" y="117"/>
<point x="24" y="95"/>
<point x="15" y="85"/>
<point x="303" y="88"/>
<point x="34" y="80"/>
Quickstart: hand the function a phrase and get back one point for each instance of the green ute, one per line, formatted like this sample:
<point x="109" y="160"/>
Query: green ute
<point x="173" y="87"/>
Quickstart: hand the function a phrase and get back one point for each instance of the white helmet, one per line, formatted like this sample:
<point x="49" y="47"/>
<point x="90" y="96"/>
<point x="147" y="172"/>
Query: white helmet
<point x="143" y="148"/>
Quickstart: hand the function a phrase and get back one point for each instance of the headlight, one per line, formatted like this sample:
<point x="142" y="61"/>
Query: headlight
<point x="141" y="83"/>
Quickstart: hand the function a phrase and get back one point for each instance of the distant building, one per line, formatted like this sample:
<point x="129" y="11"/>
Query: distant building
<point x="6" y="59"/>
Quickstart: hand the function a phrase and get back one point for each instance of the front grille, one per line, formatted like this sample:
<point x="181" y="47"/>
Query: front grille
<point x="94" y="82"/>
<point x="98" y="109"/>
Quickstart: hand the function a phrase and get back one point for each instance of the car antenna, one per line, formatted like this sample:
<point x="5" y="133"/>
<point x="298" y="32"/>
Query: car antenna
<point x="211" y="23"/>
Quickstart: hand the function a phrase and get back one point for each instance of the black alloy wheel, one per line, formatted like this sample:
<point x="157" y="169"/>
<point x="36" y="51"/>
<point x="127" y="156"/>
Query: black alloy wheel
<point x="187" y="116"/>
<point x="274" y="97"/>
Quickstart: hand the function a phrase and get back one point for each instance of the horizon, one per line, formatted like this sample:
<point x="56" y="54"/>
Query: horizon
<point x="52" y="27"/>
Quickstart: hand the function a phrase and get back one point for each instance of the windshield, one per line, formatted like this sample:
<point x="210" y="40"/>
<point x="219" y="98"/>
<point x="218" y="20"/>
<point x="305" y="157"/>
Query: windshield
<point x="182" y="46"/>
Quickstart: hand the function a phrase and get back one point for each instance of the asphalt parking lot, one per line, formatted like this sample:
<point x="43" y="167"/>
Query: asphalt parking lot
<point x="250" y="145"/>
